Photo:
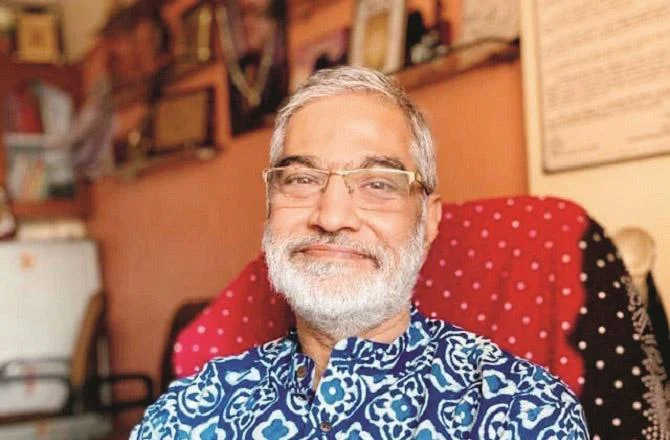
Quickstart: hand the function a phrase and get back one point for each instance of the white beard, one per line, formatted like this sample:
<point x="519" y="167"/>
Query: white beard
<point x="343" y="299"/>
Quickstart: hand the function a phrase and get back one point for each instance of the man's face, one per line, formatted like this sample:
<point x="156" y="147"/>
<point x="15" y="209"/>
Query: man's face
<point x="337" y="263"/>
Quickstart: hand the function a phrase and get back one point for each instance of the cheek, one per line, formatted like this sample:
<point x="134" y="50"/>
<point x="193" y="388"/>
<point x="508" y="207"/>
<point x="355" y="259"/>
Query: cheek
<point x="284" y="221"/>
<point x="392" y="231"/>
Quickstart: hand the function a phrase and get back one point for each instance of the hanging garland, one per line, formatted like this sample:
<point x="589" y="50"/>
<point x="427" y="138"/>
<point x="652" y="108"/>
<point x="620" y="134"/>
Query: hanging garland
<point x="252" y="92"/>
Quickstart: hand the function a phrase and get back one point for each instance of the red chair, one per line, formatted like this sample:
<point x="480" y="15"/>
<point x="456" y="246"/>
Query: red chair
<point x="536" y="275"/>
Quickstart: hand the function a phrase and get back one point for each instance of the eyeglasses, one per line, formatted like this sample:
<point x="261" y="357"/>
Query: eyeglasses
<point x="371" y="188"/>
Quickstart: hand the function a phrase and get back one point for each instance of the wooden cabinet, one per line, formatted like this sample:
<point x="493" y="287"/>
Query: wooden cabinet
<point x="66" y="78"/>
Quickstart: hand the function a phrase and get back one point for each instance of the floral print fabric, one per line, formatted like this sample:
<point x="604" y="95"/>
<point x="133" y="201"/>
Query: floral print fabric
<point x="436" y="381"/>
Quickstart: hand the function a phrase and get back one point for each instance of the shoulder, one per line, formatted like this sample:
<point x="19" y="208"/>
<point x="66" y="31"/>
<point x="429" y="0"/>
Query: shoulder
<point x="514" y="392"/>
<point x="479" y="358"/>
<point x="191" y="401"/>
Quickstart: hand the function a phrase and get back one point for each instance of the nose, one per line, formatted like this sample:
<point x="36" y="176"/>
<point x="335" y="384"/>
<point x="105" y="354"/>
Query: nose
<point x="335" y="209"/>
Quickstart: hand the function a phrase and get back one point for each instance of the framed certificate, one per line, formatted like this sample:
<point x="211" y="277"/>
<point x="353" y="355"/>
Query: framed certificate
<point x="38" y="36"/>
<point x="183" y="120"/>
<point x="378" y="35"/>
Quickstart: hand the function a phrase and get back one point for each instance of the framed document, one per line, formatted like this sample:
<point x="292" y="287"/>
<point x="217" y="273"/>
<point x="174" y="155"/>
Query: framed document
<point x="196" y="41"/>
<point x="378" y="35"/>
<point x="38" y="36"/>
<point x="183" y="120"/>
<point x="593" y="101"/>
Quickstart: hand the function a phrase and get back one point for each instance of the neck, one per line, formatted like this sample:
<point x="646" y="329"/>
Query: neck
<point x="318" y="345"/>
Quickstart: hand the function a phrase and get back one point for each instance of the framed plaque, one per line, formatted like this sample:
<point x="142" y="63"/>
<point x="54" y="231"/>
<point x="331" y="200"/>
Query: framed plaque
<point x="378" y="35"/>
<point x="183" y="120"/>
<point x="196" y="40"/>
<point x="38" y="38"/>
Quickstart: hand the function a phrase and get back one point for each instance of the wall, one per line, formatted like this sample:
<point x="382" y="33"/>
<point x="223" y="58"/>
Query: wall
<point x="633" y="193"/>
<point x="184" y="232"/>
<point x="83" y="19"/>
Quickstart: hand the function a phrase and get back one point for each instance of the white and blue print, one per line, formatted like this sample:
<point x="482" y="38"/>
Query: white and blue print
<point x="434" y="382"/>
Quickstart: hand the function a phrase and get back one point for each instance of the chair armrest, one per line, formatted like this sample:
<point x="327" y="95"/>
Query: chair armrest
<point x="93" y="385"/>
<point x="48" y="377"/>
<point x="7" y="367"/>
<point x="45" y="377"/>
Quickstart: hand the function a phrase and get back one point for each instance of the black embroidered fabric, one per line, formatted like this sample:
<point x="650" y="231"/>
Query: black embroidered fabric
<point x="623" y="393"/>
<point x="659" y="321"/>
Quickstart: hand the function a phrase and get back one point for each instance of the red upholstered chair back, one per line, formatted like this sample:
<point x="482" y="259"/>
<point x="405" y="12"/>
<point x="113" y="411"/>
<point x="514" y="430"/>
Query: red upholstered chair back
<point x="535" y="275"/>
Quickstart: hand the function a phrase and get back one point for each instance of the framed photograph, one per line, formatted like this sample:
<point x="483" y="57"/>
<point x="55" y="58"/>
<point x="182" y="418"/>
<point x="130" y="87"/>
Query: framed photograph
<point x="183" y="120"/>
<point x="253" y="39"/>
<point x="196" y="40"/>
<point x="38" y="36"/>
<point x="328" y="51"/>
<point x="378" y="35"/>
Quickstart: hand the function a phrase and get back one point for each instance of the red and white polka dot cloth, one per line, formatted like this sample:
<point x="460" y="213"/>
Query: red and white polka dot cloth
<point x="536" y="275"/>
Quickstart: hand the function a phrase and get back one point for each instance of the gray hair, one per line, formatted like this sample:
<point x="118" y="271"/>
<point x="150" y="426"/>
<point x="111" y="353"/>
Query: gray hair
<point x="351" y="80"/>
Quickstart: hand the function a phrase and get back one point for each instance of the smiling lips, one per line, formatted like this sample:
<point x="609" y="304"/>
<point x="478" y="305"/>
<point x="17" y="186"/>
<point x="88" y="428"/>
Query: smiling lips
<point x="326" y="251"/>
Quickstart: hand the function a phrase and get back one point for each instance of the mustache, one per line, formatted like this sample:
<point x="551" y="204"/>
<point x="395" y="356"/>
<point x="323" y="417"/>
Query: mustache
<point x="299" y="244"/>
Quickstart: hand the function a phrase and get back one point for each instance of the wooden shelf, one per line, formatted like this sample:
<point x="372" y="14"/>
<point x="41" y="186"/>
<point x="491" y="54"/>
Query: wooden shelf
<point x="457" y="61"/>
<point x="54" y="208"/>
<point x="66" y="77"/>
<point x="27" y="140"/>
<point x="134" y="168"/>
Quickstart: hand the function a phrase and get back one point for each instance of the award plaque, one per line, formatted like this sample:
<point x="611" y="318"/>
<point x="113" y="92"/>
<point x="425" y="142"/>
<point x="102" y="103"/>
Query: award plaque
<point x="183" y="120"/>
<point x="38" y="36"/>
<point x="378" y="35"/>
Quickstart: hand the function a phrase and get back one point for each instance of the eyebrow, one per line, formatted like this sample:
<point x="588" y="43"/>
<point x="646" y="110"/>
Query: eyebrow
<point x="383" y="161"/>
<point x="371" y="161"/>
<point x="308" y="161"/>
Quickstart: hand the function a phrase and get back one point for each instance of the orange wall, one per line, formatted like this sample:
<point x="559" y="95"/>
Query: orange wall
<point x="185" y="231"/>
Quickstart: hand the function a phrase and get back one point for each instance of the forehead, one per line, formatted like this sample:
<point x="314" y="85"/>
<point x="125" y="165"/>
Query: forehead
<point x="347" y="129"/>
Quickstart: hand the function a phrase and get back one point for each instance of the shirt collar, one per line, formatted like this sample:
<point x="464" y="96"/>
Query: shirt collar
<point x="295" y="370"/>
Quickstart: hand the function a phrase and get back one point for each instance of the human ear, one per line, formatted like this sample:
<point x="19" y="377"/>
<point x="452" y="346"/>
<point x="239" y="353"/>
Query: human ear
<point x="433" y="217"/>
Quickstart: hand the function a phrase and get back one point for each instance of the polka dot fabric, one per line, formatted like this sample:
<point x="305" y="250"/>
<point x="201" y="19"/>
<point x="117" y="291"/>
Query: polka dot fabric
<point x="245" y="314"/>
<point x="507" y="269"/>
<point x="535" y="275"/>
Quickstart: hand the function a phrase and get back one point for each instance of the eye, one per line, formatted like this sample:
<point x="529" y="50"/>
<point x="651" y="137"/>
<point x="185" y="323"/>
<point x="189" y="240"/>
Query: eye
<point x="300" y="178"/>
<point x="380" y="185"/>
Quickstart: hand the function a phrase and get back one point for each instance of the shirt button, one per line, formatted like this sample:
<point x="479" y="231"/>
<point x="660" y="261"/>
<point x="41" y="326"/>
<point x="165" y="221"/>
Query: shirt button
<point x="301" y="371"/>
<point x="325" y="426"/>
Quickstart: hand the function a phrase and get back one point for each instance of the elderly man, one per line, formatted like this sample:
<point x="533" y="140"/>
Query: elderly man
<point x="352" y="211"/>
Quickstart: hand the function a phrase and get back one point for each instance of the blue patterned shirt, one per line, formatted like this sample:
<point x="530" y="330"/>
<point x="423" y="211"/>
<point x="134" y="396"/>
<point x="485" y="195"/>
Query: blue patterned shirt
<point x="436" y="381"/>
